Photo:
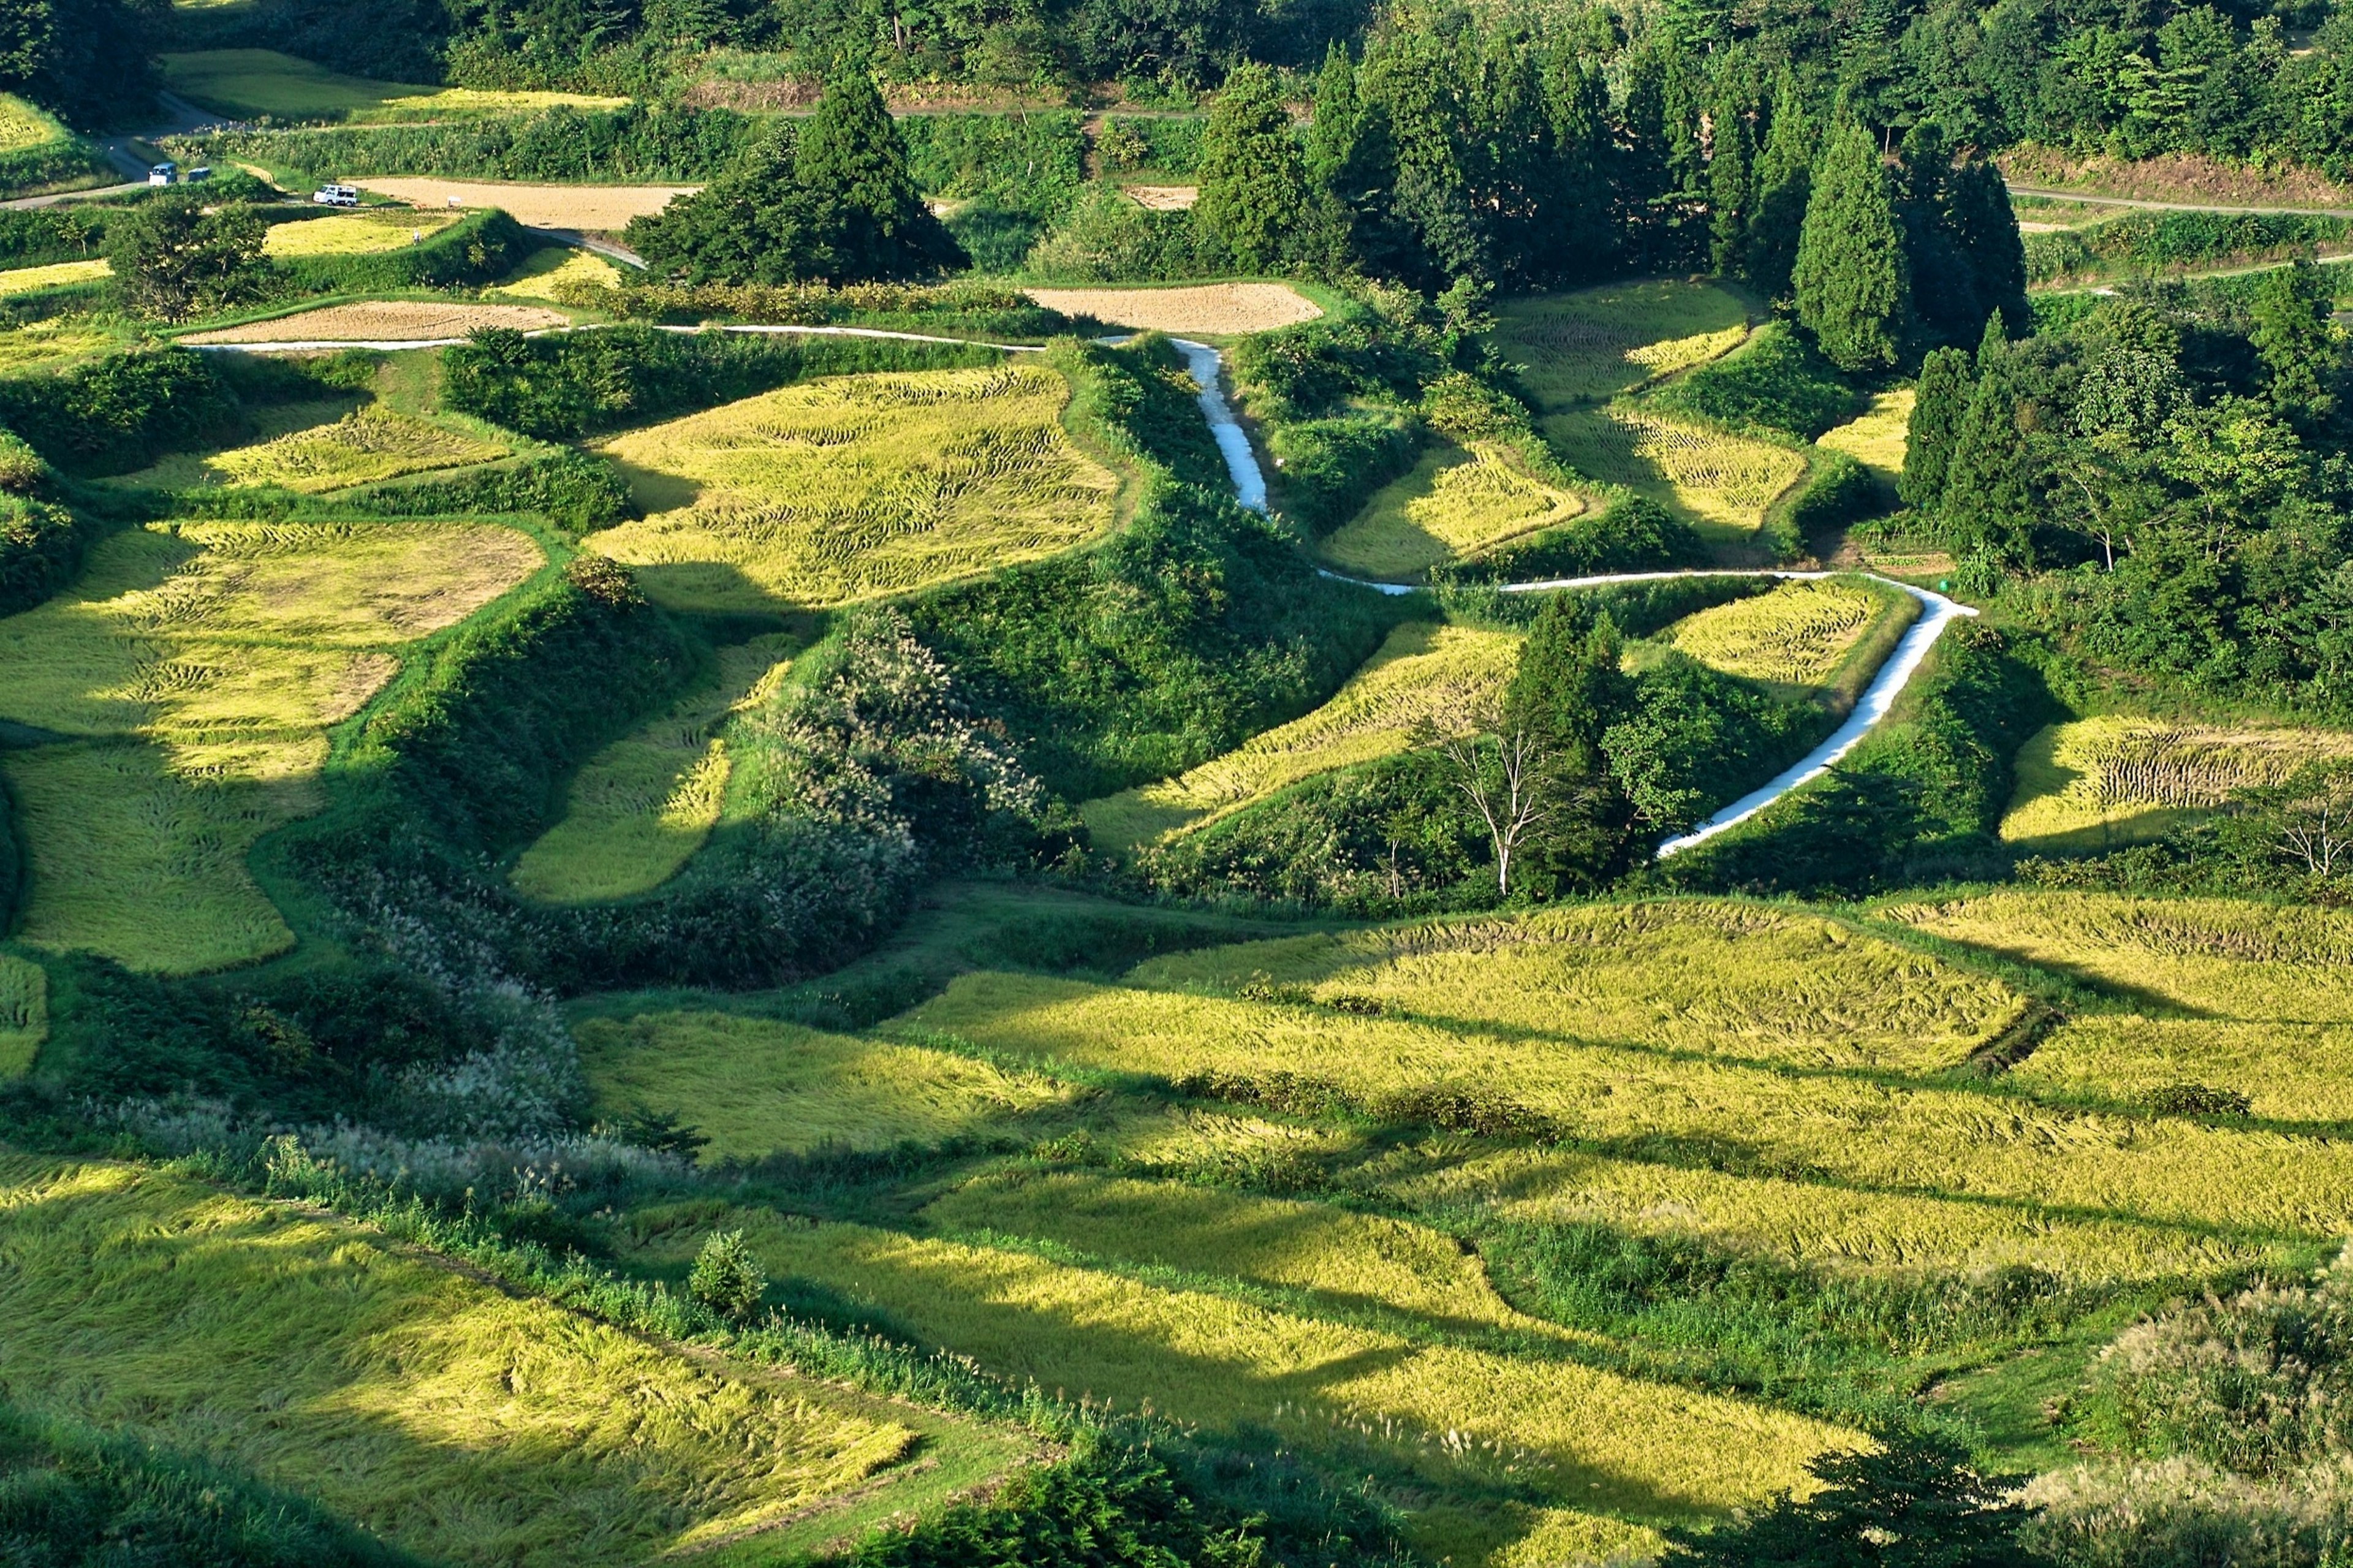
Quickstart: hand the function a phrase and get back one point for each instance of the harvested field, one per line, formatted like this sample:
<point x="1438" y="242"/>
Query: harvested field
<point x="1163" y="198"/>
<point x="759" y="1085"/>
<point x="1438" y="678"/>
<point x="646" y="803"/>
<point x="452" y="1420"/>
<point x="2107" y="781"/>
<point x="23" y="1014"/>
<point x="1876" y="439"/>
<point x="1455" y="504"/>
<point x="383" y="321"/>
<point x="558" y="273"/>
<point x="595" y="209"/>
<point x="1192" y="309"/>
<point x="1713" y="478"/>
<point x="194" y="668"/>
<point x="1797" y="634"/>
<point x="32" y="279"/>
<point x="855" y="486"/>
<point x="354" y="233"/>
<point x="1588" y="346"/>
<point x="249" y="83"/>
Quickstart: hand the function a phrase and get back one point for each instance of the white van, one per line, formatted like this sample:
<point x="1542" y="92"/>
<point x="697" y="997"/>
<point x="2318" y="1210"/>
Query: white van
<point x="336" y="195"/>
<point x="161" y="174"/>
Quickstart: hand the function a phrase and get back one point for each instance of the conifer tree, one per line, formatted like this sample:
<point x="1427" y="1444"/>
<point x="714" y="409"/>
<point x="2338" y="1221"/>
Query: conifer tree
<point x="1984" y="231"/>
<point x="1336" y="124"/>
<point x="1849" y="276"/>
<point x="1784" y="180"/>
<point x="1569" y="688"/>
<point x="1253" y="176"/>
<point x="1989" y="494"/>
<point x="1585" y="227"/>
<point x="1732" y="190"/>
<point x="852" y="164"/>
<point x="1938" y="405"/>
<point x="2292" y="337"/>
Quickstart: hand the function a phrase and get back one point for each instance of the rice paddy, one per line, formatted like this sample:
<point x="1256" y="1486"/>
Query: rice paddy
<point x="1876" y="439"/>
<point x="57" y="274"/>
<point x="855" y="486"/>
<point x="454" y="1420"/>
<point x="758" y="1086"/>
<point x="315" y="446"/>
<point x="645" y="803"/>
<point x="1590" y="346"/>
<point x="23" y="1014"/>
<point x="384" y="321"/>
<point x="354" y="233"/>
<point x="1455" y="504"/>
<point x="1720" y="482"/>
<point x="1213" y="309"/>
<point x="600" y="209"/>
<point x="2290" y="1072"/>
<point x="2094" y="782"/>
<point x="189" y="678"/>
<point x="23" y="125"/>
<point x="248" y="83"/>
<point x="1797" y="634"/>
<point x="558" y="274"/>
<point x="1426" y="680"/>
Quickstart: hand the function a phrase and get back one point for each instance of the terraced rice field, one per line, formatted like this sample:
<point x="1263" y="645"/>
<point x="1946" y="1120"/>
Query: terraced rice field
<point x="384" y="321"/>
<point x="248" y="83"/>
<point x="600" y="209"/>
<point x="1722" y="482"/>
<point x="23" y="1014"/>
<point x="354" y="233"/>
<point x="188" y="680"/>
<point x="1437" y="679"/>
<point x="754" y="1086"/>
<point x="32" y="279"/>
<point x="1877" y="438"/>
<point x="645" y="803"/>
<point x="22" y="125"/>
<point x="1212" y="309"/>
<point x="1590" y="346"/>
<point x="556" y="274"/>
<point x="2098" y="782"/>
<point x="315" y="446"/>
<point x="48" y="342"/>
<point x="856" y="487"/>
<point x="445" y="1415"/>
<point x="1454" y="504"/>
<point x="1797" y="634"/>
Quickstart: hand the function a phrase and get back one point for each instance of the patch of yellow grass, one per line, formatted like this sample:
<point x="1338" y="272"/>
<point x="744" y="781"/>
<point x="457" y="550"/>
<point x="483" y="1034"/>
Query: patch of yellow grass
<point x="1796" y="635"/>
<point x="644" y="804"/>
<point x="1711" y="477"/>
<point x="23" y="1014"/>
<point x="249" y="83"/>
<point x="2097" y="781"/>
<point x="855" y="487"/>
<point x="1877" y="438"/>
<point x="1440" y="678"/>
<point x="354" y="233"/>
<point x="2291" y="1072"/>
<point x="319" y="446"/>
<point x="203" y="662"/>
<point x="45" y="342"/>
<point x="558" y="275"/>
<point x="29" y="279"/>
<point x="22" y="125"/>
<point x="1455" y="504"/>
<point x="1587" y="346"/>
<point x="455" y="1421"/>
<point x="758" y="1086"/>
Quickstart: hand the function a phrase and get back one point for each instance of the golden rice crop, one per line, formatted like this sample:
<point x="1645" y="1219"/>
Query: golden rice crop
<point x="1440" y="678"/>
<point x="354" y="233"/>
<point x="23" y="1014"/>
<point x="205" y="660"/>
<point x="1573" y="1433"/>
<point x="1796" y="635"/>
<point x="2290" y="1071"/>
<point x="645" y="803"/>
<point x="1685" y="978"/>
<point x="1455" y="504"/>
<point x="857" y="487"/>
<point x="2096" y="781"/>
<point x="559" y="274"/>
<point x="22" y="125"/>
<point x="321" y="446"/>
<point x="458" y="1422"/>
<point x="1584" y="347"/>
<point x="2218" y="958"/>
<point x="757" y="1086"/>
<point x="1876" y="439"/>
<point x="1856" y="1130"/>
<point x="28" y="279"/>
<point x="253" y="82"/>
<point x="44" y="342"/>
<point x="1716" y="478"/>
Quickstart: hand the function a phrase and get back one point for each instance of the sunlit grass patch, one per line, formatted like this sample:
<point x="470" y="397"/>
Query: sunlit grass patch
<point x="356" y="234"/>
<point x="22" y="125"/>
<point x="2093" y="782"/>
<point x="205" y="660"/>
<point x="31" y="280"/>
<point x="1455" y="504"/>
<point x="23" y="1014"/>
<point x="758" y="1086"/>
<point x="1591" y="345"/>
<point x="314" y="447"/>
<point x="455" y="1420"/>
<point x="46" y="343"/>
<point x="248" y="83"/>
<point x="1877" y="438"/>
<point x="1796" y="634"/>
<point x="1438" y="678"/>
<point x="1596" y="1439"/>
<point x="2289" y="1072"/>
<point x="1713" y="477"/>
<point x="557" y="273"/>
<point x="2218" y="957"/>
<point x="855" y="486"/>
<point x="644" y="804"/>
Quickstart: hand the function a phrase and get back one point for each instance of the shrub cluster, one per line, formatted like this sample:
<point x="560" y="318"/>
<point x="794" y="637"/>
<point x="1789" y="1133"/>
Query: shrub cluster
<point x="116" y="414"/>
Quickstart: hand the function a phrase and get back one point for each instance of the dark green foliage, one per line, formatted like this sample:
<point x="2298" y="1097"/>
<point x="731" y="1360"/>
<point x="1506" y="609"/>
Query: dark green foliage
<point x="1915" y="1503"/>
<point x="46" y="234"/>
<point x="1697" y="739"/>
<point x="1938" y="403"/>
<point x="1784" y="188"/>
<point x="2293" y="334"/>
<point x="1156" y="144"/>
<point x="2198" y="1099"/>
<point x="576" y="491"/>
<point x="1853" y="291"/>
<point x="1032" y="163"/>
<point x="1732" y="193"/>
<point x="1635" y="534"/>
<point x="71" y="1497"/>
<point x="75" y="163"/>
<point x="174" y="260"/>
<point x="118" y="412"/>
<point x="1775" y="381"/>
<point x="1253" y="182"/>
<point x="566" y="385"/>
<point x="84" y="60"/>
<point x="41" y="547"/>
<point x="1567" y="693"/>
<point x="2161" y="240"/>
<point x="1107" y="236"/>
<point x="636" y="143"/>
<point x="1327" y="469"/>
<point x="1839" y="492"/>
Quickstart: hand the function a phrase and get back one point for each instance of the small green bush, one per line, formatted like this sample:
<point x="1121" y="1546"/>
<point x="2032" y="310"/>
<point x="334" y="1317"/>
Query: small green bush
<point x="727" y="1277"/>
<point x="1775" y="381"/>
<point x="2198" y="1099"/>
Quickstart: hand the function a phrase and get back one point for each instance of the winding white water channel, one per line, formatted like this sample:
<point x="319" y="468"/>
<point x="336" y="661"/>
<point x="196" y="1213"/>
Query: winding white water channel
<point x="1206" y="365"/>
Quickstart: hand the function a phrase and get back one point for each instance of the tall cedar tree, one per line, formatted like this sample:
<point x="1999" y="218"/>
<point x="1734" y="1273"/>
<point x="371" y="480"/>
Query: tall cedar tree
<point x="82" y="59"/>
<point x="1253" y="178"/>
<point x="1585" y="231"/>
<point x="1988" y="506"/>
<point x="1984" y="229"/>
<point x="1849" y="277"/>
<point x="1731" y="190"/>
<point x="1938" y="405"/>
<point x="1571" y="687"/>
<point x="1416" y="79"/>
<point x="2293" y="339"/>
<point x="1784" y="182"/>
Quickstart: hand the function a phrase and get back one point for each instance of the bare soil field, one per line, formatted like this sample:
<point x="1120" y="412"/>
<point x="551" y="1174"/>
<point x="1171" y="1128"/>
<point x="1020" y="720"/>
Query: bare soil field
<point x="1201" y="308"/>
<point x="1163" y="198"/>
<point x="599" y="209"/>
<point x="2181" y="177"/>
<point x="385" y="320"/>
